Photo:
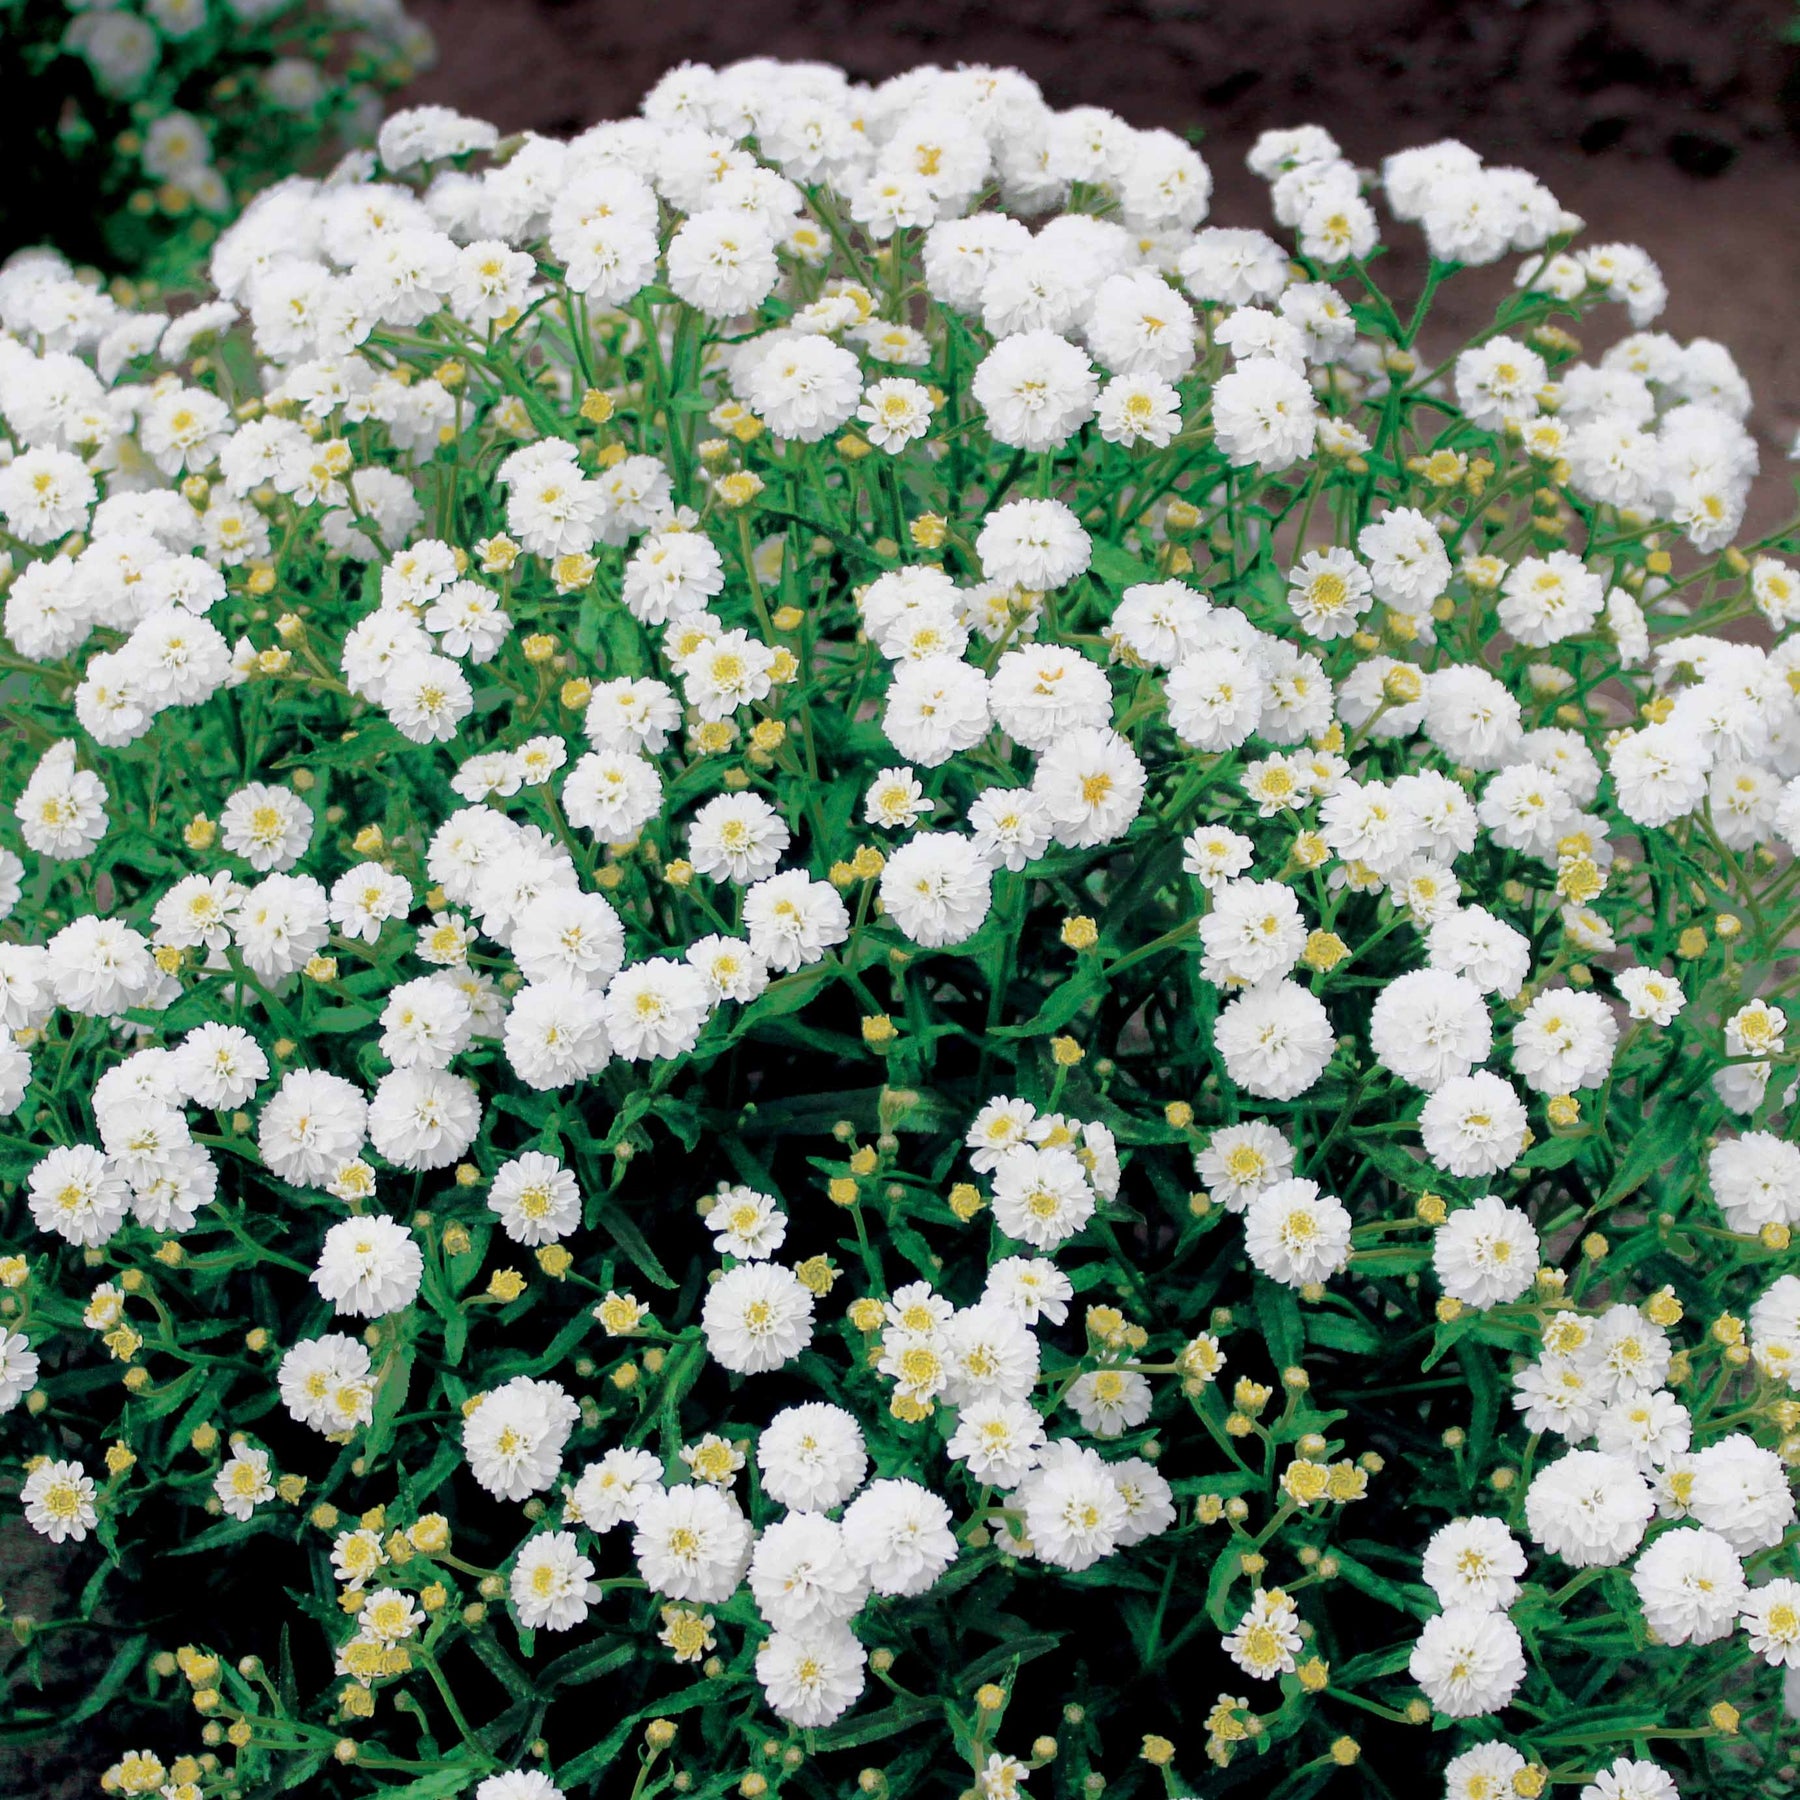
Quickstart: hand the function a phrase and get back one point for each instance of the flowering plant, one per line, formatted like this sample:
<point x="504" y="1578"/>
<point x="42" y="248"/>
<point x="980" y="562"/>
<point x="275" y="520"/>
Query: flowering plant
<point x="812" y="990"/>
<point x="160" y="118"/>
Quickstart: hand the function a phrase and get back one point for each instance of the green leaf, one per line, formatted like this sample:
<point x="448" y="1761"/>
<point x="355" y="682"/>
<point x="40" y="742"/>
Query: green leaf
<point x="390" y="1398"/>
<point x="1278" y="1313"/>
<point x="611" y="1218"/>
<point x="903" y="1715"/>
<point x="1410" y="1598"/>
<point x="1119" y="569"/>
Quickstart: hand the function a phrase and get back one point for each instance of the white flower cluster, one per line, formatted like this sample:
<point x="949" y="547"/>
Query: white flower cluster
<point x="588" y="561"/>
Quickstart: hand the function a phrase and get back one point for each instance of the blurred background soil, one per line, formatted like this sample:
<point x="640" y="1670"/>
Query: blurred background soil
<point x="1670" y="123"/>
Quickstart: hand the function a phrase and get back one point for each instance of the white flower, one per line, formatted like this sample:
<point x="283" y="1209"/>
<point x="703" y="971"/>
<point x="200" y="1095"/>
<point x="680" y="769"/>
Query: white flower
<point x="1485" y="1254"/>
<point x="1483" y="1773"/>
<point x="243" y="1482"/>
<point x="1074" y="1512"/>
<point x="895" y="799"/>
<point x="1139" y="325"/>
<point x="670" y="575"/>
<point x="1473" y="943"/>
<point x="992" y="1354"/>
<point x="1473" y="1125"/>
<point x="1033" y="544"/>
<point x="1631" y="1778"/>
<point x="1646" y="1426"/>
<point x="1264" y="414"/>
<point x="555" y="1036"/>
<point x="1041" y="1196"/>
<point x="427" y="698"/>
<point x="655" y="1009"/>
<point x="1408" y="564"/>
<point x="1216" y="699"/>
<point x="1564" y="1040"/>
<point x="425" y="1023"/>
<point x="100" y="967"/>
<point x="610" y="1491"/>
<point x="368" y="1267"/>
<point x="552" y="1583"/>
<point x="567" y="935"/>
<point x="729" y="967"/>
<point x="1755" y="1179"/>
<point x="1740" y="1490"/>
<point x="18" y="1368"/>
<point x="1037" y="389"/>
<point x="1588" y="1508"/>
<point x="804" y="388"/>
<point x="1254" y="930"/>
<point x="999" y="1439"/>
<point x="811" y="1677"/>
<point x="1042" y="694"/>
<point x="58" y="1498"/>
<point x="1690" y="1584"/>
<point x="313" y="1125"/>
<point x="1214" y="854"/>
<point x="1545" y="599"/>
<point x="364" y="898"/>
<point x="1266" y="1636"/>
<point x="1469" y="1661"/>
<point x="1474" y="1562"/>
<point x="45" y="494"/>
<point x="745" y="1224"/>
<point x="936" y="888"/>
<point x="61" y="809"/>
<point x="793" y="919"/>
<point x="631" y="715"/>
<point x="1234" y="267"/>
<point x="936" y="707"/>
<point x="1428" y="1026"/>
<point x="536" y="1198"/>
<point x="1139" y="409"/>
<point x="79" y="1194"/>
<point x="721" y="262"/>
<point x="1471" y="717"/>
<point x="811" y="1457"/>
<point x="756" y="1317"/>
<point x="737" y="837"/>
<point x="519" y="1784"/>
<point x="1110" y="1401"/>
<point x="803" y="1576"/>
<point x="1276" y="1040"/>
<point x="1328" y="592"/>
<point x="1526" y="807"/>
<point x="612" y="793"/>
<point x="1091" y="784"/>
<point x="1160" y="623"/>
<point x="899" y="1533"/>
<point x="1659" y="774"/>
<point x="894" y="413"/>
<point x="423" y="1118"/>
<point x="1498" y="380"/>
<point x="1296" y="1235"/>
<point x="269" y="827"/>
<point x="514" y="1438"/>
<point x="691" y="1543"/>
<point x="1239" y="1161"/>
<point x="1771" y="1620"/>
<point x="325" y="1383"/>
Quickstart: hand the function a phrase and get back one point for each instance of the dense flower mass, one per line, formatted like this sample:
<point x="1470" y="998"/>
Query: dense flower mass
<point x="832" y="956"/>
